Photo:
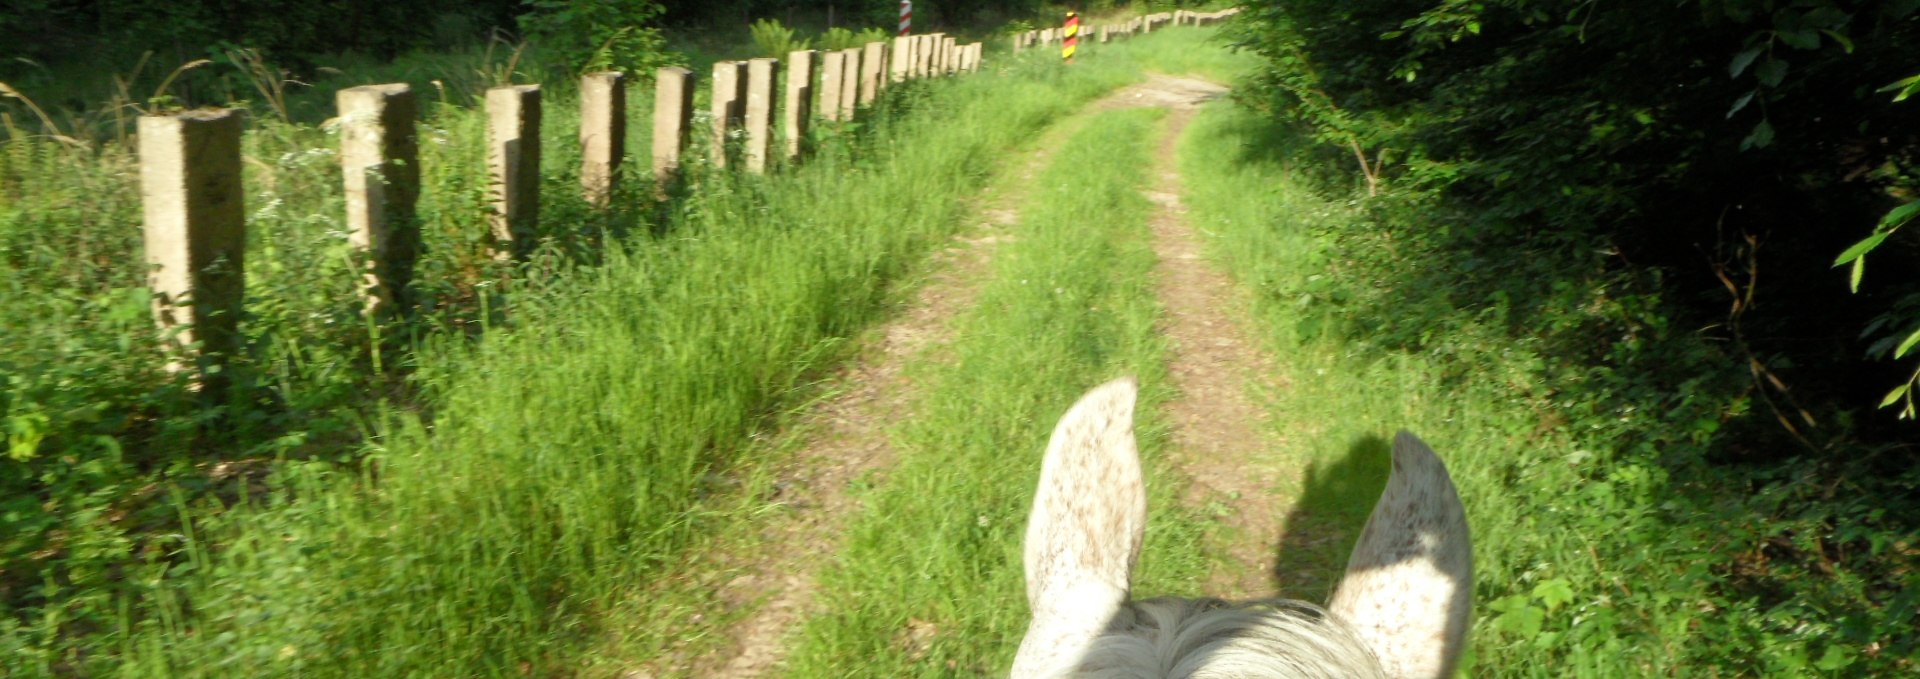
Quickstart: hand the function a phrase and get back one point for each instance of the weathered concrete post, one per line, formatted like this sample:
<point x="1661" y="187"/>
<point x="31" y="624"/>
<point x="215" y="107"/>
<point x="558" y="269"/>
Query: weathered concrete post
<point x="923" y="56"/>
<point x="902" y="60"/>
<point x="380" y="162"/>
<point x="196" y="237"/>
<point x="831" y="71"/>
<point x="513" y="160"/>
<point x="849" y="82"/>
<point x="672" y="115"/>
<point x="872" y="67"/>
<point x="603" y="134"/>
<point x="763" y="79"/>
<point x="797" y="113"/>
<point x="729" y="104"/>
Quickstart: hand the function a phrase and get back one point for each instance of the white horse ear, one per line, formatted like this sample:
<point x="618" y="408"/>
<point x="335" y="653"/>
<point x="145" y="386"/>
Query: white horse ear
<point x="1409" y="585"/>
<point x="1083" y="538"/>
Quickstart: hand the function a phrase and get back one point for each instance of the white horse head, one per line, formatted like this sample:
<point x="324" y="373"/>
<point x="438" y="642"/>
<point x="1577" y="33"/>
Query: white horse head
<point x="1400" y="610"/>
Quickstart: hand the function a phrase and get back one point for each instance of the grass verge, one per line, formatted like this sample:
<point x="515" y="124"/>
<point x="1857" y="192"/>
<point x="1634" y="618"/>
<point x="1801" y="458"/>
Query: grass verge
<point x="1599" y="550"/>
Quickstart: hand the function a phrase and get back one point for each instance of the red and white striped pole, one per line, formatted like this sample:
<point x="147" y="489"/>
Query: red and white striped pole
<point x="906" y="17"/>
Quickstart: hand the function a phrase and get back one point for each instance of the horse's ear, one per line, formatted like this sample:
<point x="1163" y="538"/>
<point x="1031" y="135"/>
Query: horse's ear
<point x="1083" y="538"/>
<point x="1409" y="584"/>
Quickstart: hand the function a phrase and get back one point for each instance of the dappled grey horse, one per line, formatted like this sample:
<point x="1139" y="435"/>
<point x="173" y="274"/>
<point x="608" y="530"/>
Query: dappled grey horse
<point x="1400" y="610"/>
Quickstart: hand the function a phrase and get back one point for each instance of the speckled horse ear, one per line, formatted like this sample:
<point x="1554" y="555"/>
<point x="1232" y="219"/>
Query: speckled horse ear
<point x="1408" y="588"/>
<point x="1084" y="535"/>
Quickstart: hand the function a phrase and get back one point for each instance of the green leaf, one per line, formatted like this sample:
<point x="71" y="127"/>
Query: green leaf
<point x="1741" y="103"/>
<point x="1906" y="345"/>
<point x="1899" y="216"/>
<point x="1845" y="44"/>
<point x="1800" y="38"/>
<point x="1861" y="248"/>
<point x="1518" y="617"/>
<point x="1760" y="138"/>
<point x="1905" y="86"/>
<point x="1771" y="72"/>
<point x="1835" y="659"/>
<point x="1744" y="59"/>
<point x="1554" y="593"/>
<point x="1894" y="396"/>
<point x="1853" y="279"/>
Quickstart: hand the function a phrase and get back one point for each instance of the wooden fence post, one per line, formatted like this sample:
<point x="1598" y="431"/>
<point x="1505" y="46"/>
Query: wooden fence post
<point x="380" y="162"/>
<point x="797" y="114"/>
<point x="763" y="80"/>
<point x="603" y="134"/>
<point x="513" y="160"/>
<point x="196" y="237"/>
<point x="672" y="115"/>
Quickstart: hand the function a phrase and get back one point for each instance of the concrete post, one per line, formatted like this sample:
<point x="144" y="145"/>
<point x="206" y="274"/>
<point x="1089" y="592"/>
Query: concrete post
<point x="1103" y="35"/>
<point x="763" y="79"/>
<point x="196" y="237"/>
<point x="380" y="162"/>
<point x="672" y="116"/>
<point x="923" y="56"/>
<point x="603" y="133"/>
<point x="871" y="70"/>
<point x="729" y="104"/>
<point x="849" y="83"/>
<point x="797" y="113"/>
<point x="902" y="59"/>
<point x="832" y="69"/>
<point x="513" y="160"/>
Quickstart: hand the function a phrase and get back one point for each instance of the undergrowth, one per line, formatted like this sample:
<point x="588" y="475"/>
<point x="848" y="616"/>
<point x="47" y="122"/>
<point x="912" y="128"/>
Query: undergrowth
<point x="1580" y="421"/>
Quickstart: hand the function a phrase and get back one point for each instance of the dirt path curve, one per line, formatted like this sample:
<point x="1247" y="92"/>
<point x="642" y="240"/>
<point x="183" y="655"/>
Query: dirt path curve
<point x="1217" y="428"/>
<point x="772" y="591"/>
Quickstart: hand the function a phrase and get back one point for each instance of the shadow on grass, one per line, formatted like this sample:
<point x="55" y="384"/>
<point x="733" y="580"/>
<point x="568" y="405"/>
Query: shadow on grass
<point x="1334" y="502"/>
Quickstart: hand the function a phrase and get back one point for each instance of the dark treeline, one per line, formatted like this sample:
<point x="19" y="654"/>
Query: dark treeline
<point x="1732" y="147"/>
<point x="59" y="30"/>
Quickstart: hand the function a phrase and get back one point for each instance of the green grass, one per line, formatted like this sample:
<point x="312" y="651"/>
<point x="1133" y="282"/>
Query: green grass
<point x="561" y="459"/>
<point x="1597" y="552"/>
<point x="938" y="545"/>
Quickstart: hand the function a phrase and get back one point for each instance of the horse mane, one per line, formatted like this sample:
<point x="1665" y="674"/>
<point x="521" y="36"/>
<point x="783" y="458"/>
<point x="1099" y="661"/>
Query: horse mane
<point x="1178" y="638"/>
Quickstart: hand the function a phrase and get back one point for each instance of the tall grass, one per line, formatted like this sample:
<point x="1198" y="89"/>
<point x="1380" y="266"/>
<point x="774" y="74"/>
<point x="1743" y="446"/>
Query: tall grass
<point x="929" y="582"/>
<point x="563" y="450"/>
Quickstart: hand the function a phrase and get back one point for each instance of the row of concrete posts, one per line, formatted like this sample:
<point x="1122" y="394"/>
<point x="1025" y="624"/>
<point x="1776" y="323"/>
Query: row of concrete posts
<point x="1105" y="33"/>
<point x="193" y="200"/>
<point x="830" y="85"/>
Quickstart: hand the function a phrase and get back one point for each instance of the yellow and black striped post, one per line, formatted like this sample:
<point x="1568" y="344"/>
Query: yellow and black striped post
<point x="1072" y="34"/>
